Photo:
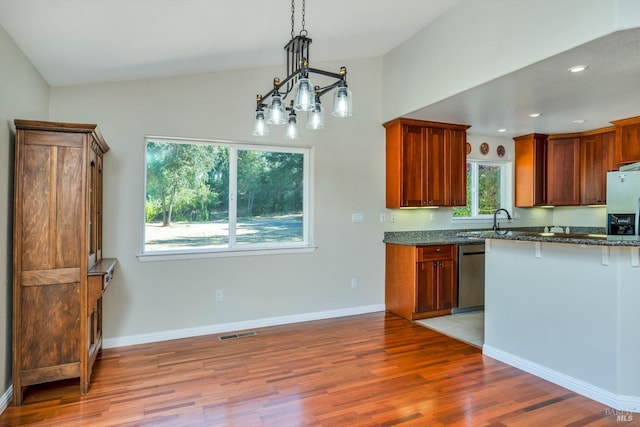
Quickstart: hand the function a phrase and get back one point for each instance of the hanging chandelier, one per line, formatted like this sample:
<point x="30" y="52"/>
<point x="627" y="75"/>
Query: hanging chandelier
<point x="306" y="96"/>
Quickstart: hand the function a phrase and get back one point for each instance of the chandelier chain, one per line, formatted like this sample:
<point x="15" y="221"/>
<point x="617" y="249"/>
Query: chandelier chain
<point x="293" y="16"/>
<point x="303" y="31"/>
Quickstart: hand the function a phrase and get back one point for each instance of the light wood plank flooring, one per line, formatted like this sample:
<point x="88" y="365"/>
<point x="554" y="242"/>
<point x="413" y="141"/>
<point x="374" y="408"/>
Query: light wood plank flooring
<point x="368" y="370"/>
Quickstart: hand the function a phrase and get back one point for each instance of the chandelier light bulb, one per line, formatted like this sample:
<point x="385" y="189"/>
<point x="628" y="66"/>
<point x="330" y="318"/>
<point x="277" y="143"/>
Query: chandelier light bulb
<point x="260" y="127"/>
<point x="292" y="131"/>
<point x="275" y="114"/>
<point x="315" y="119"/>
<point x="342" y="102"/>
<point x="304" y="95"/>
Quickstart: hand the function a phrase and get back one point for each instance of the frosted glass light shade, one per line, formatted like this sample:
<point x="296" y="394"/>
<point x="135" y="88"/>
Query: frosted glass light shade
<point x="275" y="115"/>
<point x="292" y="131"/>
<point x="260" y="127"/>
<point x="342" y="102"/>
<point x="304" y="98"/>
<point x="315" y="119"/>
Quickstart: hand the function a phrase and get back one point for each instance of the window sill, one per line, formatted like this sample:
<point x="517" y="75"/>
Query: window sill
<point x="222" y="253"/>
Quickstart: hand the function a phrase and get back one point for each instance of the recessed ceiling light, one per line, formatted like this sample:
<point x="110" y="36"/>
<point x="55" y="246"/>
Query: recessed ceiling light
<point x="533" y="115"/>
<point x="502" y="130"/>
<point x="578" y="68"/>
<point x="578" y="121"/>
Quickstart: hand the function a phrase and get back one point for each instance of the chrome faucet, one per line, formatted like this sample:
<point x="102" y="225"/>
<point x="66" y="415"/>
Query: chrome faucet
<point x="496" y="228"/>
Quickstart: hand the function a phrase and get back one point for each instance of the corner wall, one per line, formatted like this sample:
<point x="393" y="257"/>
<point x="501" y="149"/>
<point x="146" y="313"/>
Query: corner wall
<point x="23" y="94"/>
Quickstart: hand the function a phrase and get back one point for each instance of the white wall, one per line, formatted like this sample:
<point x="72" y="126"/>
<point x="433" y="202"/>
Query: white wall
<point x="566" y="313"/>
<point x="23" y="94"/>
<point x="478" y="41"/>
<point x="349" y="177"/>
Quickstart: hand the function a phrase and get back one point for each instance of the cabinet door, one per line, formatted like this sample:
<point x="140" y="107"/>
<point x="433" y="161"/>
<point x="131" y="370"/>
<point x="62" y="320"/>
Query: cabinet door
<point x="563" y="172"/>
<point x="426" y="295"/>
<point x="445" y="284"/>
<point x="437" y="169"/>
<point x="457" y="188"/>
<point x="413" y="147"/>
<point x="530" y="170"/>
<point x="628" y="143"/>
<point x="596" y="159"/>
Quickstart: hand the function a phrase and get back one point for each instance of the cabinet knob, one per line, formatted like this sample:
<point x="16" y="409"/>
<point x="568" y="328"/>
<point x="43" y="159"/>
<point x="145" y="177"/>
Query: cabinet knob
<point x="437" y="249"/>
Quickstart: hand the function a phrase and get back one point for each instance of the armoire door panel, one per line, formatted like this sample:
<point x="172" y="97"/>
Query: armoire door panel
<point x="48" y="325"/>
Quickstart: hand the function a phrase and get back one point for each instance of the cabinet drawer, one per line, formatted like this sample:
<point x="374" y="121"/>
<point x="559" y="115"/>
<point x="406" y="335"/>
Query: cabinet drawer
<point x="436" y="252"/>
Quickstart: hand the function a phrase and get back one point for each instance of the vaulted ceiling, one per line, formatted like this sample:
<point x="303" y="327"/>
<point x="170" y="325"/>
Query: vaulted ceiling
<point x="83" y="41"/>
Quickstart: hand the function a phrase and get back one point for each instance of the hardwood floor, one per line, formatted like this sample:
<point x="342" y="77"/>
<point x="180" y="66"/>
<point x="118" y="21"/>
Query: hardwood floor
<point x="368" y="370"/>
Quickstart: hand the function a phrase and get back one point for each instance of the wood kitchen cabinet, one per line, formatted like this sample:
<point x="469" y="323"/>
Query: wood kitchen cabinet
<point x="627" y="140"/>
<point x="597" y="157"/>
<point x="530" y="171"/>
<point x="563" y="170"/>
<point x="425" y="164"/>
<point x="420" y="281"/>
<point x="59" y="274"/>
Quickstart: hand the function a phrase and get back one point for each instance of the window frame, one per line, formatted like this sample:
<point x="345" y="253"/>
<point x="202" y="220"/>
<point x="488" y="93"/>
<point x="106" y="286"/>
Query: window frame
<point x="506" y="187"/>
<point x="233" y="249"/>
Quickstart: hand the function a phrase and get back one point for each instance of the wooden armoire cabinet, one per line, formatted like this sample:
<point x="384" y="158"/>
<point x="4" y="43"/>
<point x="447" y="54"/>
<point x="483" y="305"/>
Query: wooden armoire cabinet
<point x="59" y="274"/>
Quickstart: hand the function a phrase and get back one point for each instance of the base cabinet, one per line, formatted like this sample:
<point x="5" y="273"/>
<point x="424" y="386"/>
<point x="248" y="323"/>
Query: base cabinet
<point x="58" y="271"/>
<point x="420" y="281"/>
<point x="434" y="281"/>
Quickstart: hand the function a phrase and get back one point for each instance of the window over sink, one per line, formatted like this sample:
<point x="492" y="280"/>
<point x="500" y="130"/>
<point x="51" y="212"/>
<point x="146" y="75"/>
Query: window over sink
<point x="488" y="189"/>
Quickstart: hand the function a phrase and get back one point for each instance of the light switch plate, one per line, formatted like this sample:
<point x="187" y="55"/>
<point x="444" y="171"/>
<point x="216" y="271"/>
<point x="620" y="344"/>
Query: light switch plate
<point x="357" y="217"/>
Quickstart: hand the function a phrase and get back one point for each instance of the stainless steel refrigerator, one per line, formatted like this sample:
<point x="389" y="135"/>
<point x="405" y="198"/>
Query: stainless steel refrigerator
<point x="623" y="205"/>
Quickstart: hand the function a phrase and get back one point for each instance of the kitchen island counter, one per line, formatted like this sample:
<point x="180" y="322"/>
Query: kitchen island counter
<point x="571" y="238"/>
<point x="567" y="312"/>
<point x="585" y="236"/>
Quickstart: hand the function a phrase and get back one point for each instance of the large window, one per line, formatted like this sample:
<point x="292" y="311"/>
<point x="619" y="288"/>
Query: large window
<point x="487" y="190"/>
<point x="220" y="197"/>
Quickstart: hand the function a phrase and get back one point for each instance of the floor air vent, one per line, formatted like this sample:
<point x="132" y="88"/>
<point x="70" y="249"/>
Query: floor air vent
<point x="236" y="336"/>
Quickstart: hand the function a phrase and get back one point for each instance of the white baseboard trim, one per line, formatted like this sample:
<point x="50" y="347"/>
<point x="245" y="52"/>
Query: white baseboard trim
<point x="5" y="399"/>
<point x="612" y="400"/>
<point x="237" y="326"/>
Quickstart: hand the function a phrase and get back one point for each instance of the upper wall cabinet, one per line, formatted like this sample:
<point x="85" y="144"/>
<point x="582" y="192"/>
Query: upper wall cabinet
<point x="425" y="163"/>
<point x="627" y="140"/>
<point x="597" y="157"/>
<point x="563" y="171"/>
<point x="530" y="170"/>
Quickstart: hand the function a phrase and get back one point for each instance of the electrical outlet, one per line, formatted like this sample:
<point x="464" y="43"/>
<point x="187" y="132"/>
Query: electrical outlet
<point x="219" y="296"/>
<point x="354" y="282"/>
<point x="432" y="217"/>
<point x="393" y="218"/>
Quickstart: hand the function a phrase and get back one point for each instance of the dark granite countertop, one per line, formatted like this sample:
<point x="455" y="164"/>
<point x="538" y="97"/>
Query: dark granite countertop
<point x="579" y="235"/>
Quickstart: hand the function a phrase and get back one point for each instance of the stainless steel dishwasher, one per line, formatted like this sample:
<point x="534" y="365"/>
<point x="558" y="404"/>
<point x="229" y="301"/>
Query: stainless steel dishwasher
<point x="470" y="277"/>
